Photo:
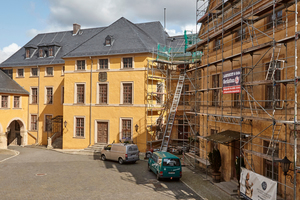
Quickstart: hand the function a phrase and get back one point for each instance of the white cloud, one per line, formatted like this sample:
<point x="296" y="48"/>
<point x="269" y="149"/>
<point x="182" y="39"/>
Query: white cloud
<point x="97" y="13"/>
<point x="8" y="51"/>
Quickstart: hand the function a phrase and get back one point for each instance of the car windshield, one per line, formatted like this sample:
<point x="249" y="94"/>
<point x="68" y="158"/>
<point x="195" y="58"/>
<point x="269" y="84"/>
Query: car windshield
<point x="171" y="162"/>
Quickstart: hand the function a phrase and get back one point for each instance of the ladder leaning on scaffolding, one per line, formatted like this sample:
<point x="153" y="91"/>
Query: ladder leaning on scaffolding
<point x="169" y="125"/>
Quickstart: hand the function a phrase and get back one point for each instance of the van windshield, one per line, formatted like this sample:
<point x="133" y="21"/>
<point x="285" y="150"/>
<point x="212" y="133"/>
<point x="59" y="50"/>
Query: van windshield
<point x="171" y="162"/>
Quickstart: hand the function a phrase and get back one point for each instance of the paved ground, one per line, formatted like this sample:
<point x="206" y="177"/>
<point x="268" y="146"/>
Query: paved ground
<point x="46" y="174"/>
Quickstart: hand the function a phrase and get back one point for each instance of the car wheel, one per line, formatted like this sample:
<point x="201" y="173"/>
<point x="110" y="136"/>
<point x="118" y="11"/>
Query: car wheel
<point x="121" y="161"/>
<point x="149" y="168"/>
<point x="103" y="157"/>
<point x="157" y="176"/>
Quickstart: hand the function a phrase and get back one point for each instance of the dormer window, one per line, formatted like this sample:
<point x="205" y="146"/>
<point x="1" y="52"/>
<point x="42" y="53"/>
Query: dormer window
<point x="27" y="53"/>
<point x="50" y="51"/>
<point x="41" y="53"/>
<point x="108" y="40"/>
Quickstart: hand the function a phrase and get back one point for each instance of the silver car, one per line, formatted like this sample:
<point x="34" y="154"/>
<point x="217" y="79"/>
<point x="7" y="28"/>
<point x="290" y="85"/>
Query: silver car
<point x="121" y="152"/>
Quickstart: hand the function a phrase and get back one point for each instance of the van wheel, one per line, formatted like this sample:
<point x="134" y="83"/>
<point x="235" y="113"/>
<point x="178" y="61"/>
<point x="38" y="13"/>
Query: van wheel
<point x="157" y="176"/>
<point x="121" y="161"/>
<point x="103" y="157"/>
<point x="149" y="168"/>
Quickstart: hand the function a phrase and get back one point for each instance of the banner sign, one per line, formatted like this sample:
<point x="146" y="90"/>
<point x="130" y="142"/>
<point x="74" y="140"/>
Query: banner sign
<point x="231" y="81"/>
<point x="256" y="186"/>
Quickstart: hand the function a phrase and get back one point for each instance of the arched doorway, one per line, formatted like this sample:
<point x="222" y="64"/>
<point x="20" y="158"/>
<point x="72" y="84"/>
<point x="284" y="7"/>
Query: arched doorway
<point x="15" y="132"/>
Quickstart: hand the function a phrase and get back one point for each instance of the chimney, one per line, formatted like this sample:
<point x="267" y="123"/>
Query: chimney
<point x="76" y="28"/>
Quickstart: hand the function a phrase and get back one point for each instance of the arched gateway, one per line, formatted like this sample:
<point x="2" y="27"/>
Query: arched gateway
<point x="16" y="132"/>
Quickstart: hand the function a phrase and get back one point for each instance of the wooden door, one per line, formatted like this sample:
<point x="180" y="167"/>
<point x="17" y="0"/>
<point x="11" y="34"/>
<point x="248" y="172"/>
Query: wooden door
<point x="102" y="132"/>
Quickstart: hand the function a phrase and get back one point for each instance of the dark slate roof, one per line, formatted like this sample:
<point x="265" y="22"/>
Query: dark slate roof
<point x="127" y="38"/>
<point x="8" y="85"/>
<point x="65" y="40"/>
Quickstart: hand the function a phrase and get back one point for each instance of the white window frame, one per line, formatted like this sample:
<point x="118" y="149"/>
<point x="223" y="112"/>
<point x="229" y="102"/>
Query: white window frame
<point x="45" y="95"/>
<point x="98" y="87"/>
<point x="20" y="102"/>
<point x="63" y="70"/>
<point x="108" y="63"/>
<point x="8" y="101"/>
<point x="30" y="100"/>
<point x="74" y="126"/>
<point x="45" y="120"/>
<point x="17" y="74"/>
<point x="122" y="66"/>
<point x="46" y="74"/>
<point x="96" y="129"/>
<point x="75" y="93"/>
<point x="121" y="92"/>
<point x="85" y="68"/>
<point x="37" y="122"/>
<point x="120" y="127"/>
<point x="31" y="75"/>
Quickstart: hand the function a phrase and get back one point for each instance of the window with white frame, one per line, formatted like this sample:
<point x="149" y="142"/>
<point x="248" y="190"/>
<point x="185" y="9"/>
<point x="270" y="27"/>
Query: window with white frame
<point x="63" y="70"/>
<point x="80" y="93"/>
<point x="62" y="95"/>
<point x="20" y="73"/>
<point x="4" y="101"/>
<point x="41" y="53"/>
<point x="49" y="71"/>
<point x="27" y="53"/>
<point x="103" y="63"/>
<point x="126" y="129"/>
<point x="33" y="122"/>
<point x="80" y="65"/>
<point x="17" y="100"/>
<point x="49" y="95"/>
<point x="127" y="93"/>
<point x="51" y="51"/>
<point x="79" y="127"/>
<point x="103" y="90"/>
<point x="34" y="71"/>
<point x="48" y="123"/>
<point x="127" y="62"/>
<point x="34" y="95"/>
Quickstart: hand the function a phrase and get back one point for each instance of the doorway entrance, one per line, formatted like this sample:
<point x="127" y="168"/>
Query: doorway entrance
<point x="102" y="132"/>
<point x="14" y="133"/>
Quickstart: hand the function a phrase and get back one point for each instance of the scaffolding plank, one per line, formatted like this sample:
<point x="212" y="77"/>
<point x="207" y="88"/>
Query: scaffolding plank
<point x="201" y="160"/>
<point x="262" y="155"/>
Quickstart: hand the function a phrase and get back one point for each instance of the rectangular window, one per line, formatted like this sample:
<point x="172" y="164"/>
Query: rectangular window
<point x="41" y="53"/>
<point x="79" y="127"/>
<point x="269" y="88"/>
<point x="215" y="91"/>
<point x="240" y="34"/>
<point x="50" y="51"/>
<point x="49" y="95"/>
<point x="34" y="71"/>
<point x="34" y="95"/>
<point x="278" y="19"/>
<point x="48" y="123"/>
<point x="63" y="70"/>
<point x="27" y="53"/>
<point x="103" y="63"/>
<point x="127" y="93"/>
<point x="20" y="72"/>
<point x="159" y="90"/>
<point x="49" y="71"/>
<point x="4" y="101"/>
<point x="16" y="101"/>
<point x="62" y="95"/>
<point x="33" y="122"/>
<point x="102" y="93"/>
<point x="217" y="44"/>
<point x="126" y="129"/>
<point x="80" y="93"/>
<point x="268" y="163"/>
<point x="127" y="62"/>
<point x="80" y="64"/>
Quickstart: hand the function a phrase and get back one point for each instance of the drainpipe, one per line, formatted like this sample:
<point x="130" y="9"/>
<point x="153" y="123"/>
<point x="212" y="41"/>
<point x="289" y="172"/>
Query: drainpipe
<point x="91" y="83"/>
<point x="38" y="104"/>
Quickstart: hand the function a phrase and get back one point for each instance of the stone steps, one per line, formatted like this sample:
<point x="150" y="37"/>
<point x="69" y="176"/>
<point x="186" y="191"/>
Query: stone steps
<point x="57" y="144"/>
<point x="95" y="148"/>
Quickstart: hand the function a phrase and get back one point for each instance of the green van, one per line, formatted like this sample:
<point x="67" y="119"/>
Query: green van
<point x="165" y="165"/>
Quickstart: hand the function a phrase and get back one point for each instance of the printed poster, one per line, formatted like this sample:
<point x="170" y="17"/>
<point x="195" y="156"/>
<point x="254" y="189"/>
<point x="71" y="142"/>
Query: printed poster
<point x="232" y="81"/>
<point x="256" y="186"/>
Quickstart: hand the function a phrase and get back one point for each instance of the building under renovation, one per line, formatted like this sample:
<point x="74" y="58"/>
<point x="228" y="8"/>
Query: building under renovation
<point x="234" y="87"/>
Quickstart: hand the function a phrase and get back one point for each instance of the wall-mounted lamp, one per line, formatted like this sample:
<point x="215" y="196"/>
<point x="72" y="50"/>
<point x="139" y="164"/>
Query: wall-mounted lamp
<point x="136" y="128"/>
<point x="285" y="166"/>
<point x="65" y="123"/>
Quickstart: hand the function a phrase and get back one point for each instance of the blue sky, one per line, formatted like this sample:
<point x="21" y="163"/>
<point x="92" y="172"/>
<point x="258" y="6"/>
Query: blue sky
<point x="21" y="20"/>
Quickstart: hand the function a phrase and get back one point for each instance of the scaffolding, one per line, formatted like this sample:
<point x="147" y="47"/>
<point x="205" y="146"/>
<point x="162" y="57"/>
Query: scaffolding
<point x="258" y="40"/>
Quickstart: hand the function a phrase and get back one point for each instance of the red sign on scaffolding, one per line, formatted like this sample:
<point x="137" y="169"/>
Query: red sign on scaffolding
<point x="232" y="81"/>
